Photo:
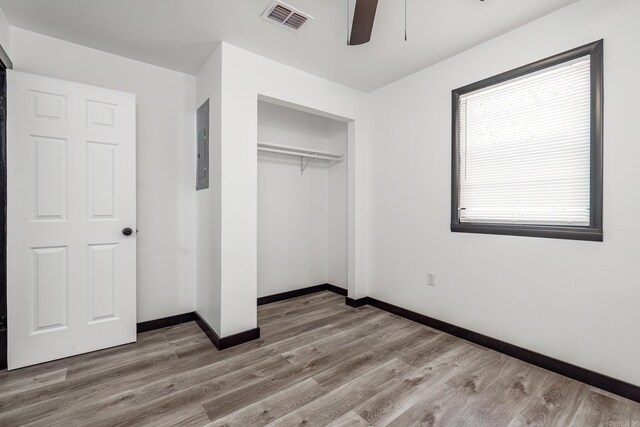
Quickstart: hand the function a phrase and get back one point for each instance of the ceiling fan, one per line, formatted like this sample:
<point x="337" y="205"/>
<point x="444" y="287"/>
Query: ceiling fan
<point x="358" y="29"/>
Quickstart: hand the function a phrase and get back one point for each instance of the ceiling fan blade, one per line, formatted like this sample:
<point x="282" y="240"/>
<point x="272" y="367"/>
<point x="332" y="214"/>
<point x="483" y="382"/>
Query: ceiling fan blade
<point x="363" y="17"/>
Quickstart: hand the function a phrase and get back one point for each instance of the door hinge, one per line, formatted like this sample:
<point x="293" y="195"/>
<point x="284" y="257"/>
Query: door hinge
<point x="3" y="323"/>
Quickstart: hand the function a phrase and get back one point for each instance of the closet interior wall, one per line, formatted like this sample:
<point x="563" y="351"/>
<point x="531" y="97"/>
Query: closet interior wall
<point x="302" y="218"/>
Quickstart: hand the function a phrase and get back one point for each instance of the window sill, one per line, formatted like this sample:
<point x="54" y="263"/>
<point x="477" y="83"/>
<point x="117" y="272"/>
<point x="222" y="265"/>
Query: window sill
<point x="544" y="231"/>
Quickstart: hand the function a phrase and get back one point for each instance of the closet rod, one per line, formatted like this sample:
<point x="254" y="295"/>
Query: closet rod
<point x="293" y="153"/>
<point x="299" y="152"/>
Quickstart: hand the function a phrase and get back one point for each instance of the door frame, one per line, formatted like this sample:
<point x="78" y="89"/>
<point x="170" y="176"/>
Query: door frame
<point x="5" y="63"/>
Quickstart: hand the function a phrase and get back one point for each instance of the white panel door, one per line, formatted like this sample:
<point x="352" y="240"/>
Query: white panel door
<point x="71" y="270"/>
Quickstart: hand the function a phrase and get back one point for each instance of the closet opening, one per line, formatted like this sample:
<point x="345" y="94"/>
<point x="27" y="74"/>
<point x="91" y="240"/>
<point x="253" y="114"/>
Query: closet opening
<point x="302" y="200"/>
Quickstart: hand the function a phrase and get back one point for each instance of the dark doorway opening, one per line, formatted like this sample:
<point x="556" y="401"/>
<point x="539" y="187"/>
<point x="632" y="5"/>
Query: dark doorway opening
<point x="5" y="63"/>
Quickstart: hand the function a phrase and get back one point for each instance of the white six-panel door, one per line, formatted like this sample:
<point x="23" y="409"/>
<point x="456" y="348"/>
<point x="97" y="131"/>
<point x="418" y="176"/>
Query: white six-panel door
<point x="71" y="272"/>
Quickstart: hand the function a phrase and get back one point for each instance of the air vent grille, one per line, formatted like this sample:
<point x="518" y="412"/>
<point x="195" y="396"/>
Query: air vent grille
<point x="284" y="15"/>
<point x="279" y="14"/>
<point x="295" y="21"/>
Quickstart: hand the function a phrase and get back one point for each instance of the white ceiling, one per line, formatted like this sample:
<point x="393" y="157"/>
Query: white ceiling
<point x="180" y="34"/>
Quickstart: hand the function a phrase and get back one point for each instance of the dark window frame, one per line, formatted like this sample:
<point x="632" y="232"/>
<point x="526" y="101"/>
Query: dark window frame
<point x="594" y="231"/>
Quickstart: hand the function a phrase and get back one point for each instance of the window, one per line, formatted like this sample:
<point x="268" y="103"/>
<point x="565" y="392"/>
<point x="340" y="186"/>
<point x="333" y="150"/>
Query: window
<point x="527" y="150"/>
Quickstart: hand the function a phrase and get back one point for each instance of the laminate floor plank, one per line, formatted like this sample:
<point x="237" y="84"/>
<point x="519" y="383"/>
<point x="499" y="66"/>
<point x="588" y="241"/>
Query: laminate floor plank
<point x="289" y="329"/>
<point x="269" y="312"/>
<point x="165" y="396"/>
<point x="378" y="354"/>
<point x="350" y="419"/>
<point x="428" y="351"/>
<point x="23" y="384"/>
<point x="335" y="342"/>
<point x="440" y="405"/>
<point x="110" y="357"/>
<point x="305" y="300"/>
<point x="275" y="406"/>
<point x="632" y="415"/>
<point x="502" y="401"/>
<point x="193" y="396"/>
<point x="325" y="313"/>
<point x="69" y="390"/>
<point x="397" y="399"/>
<point x="296" y="308"/>
<point x="556" y="404"/>
<point x="331" y="406"/>
<point x="600" y="410"/>
<point x="188" y="416"/>
<point x="318" y="362"/>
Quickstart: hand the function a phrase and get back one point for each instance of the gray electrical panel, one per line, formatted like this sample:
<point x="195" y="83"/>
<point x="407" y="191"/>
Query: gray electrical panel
<point x="202" y="124"/>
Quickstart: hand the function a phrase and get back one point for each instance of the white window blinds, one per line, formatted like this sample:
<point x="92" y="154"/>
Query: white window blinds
<point x="524" y="148"/>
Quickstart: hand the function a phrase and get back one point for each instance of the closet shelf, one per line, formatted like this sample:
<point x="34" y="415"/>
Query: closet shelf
<point x="303" y="153"/>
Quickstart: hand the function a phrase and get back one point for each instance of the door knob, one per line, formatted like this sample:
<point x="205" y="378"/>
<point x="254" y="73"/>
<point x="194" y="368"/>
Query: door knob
<point x="127" y="231"/>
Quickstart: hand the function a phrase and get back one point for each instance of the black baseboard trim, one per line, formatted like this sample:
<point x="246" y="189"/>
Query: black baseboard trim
<point x="229" y="341"/>
<point x="356" y="302"/>
<point x="336" y="289"/>
<point x="164" y="322"/>
<point x="595" y="379"/>
<point x="300" y="292"/>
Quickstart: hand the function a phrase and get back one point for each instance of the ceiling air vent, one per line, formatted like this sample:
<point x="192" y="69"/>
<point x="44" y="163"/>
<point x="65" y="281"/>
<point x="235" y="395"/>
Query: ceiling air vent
<point x="284" y="15"/>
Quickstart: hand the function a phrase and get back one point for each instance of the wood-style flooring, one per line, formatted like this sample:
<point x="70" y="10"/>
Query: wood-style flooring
<point x="318" y="362"/>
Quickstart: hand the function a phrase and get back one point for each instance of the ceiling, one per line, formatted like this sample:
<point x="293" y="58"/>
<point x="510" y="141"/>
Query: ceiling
<point x="181" y="34"/>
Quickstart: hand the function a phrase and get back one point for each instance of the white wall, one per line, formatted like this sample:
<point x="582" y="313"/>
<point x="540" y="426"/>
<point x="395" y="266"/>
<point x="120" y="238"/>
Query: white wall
<point x="295" y="233"/>
<point x="5" y="33"/>
<point x="337" y="208"/>
<point x="245" y="77"/>
<point x="165" y="155"/>
<point x="572" y="300"/>
<point x="208" y="201"/>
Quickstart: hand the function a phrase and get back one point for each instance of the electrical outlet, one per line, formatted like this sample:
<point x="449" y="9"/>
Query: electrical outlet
<point x="431" y="279"/>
